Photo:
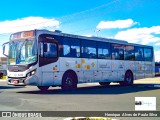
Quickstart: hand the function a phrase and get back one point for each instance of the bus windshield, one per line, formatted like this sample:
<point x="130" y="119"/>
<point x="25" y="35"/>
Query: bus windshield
<point x="22" y="52"/>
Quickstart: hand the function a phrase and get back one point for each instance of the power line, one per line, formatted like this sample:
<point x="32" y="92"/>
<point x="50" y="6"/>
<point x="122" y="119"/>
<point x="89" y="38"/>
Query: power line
<point x="89" y="10"/>
<point x="78" y="13"/>
<point x="68" y="16"/>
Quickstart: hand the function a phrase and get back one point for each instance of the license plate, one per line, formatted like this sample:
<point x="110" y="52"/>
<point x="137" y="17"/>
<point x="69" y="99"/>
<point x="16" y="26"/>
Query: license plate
<point x="15" y="81"/>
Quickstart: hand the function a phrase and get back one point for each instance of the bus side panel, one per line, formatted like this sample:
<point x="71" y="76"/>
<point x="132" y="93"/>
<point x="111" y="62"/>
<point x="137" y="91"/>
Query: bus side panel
<point x="97" y="76"/>
<point x="72" y="64"/>
<point x="89" y="66"/>
<point x="48" y="72"/>
<point x="105" y="71"/>
<point x="148" y="69"/>
<point x="117" y="70"/>
<point x="80" y="76"/>
<point x="140" y="72"/>
<point x="58" y="78"/>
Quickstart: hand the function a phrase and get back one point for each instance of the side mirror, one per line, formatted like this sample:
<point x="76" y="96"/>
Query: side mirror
<point x="5" y="49"/>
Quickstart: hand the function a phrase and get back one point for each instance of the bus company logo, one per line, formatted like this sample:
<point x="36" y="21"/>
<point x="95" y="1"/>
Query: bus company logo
<point x="145" y="103"/>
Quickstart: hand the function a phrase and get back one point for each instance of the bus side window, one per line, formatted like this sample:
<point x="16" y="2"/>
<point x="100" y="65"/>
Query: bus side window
<point x="129" y="53"/>
<point x="117" y="52"/>
<point x="148" y="54"/>
<point x="88" y="49"/>
<point x="71" y="47"/>
<point x="139" y="56"/>
<point x="70" y="52"/>
<point x="103" y="50"/>
<point x="73" y="51"/>
<point x="52" y="50"/>
<point x="48" y="50"/>
<point x="85" y="52"/>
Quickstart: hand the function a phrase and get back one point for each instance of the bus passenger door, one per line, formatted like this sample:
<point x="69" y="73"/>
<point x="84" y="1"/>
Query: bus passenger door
<point x="48" y="57"/>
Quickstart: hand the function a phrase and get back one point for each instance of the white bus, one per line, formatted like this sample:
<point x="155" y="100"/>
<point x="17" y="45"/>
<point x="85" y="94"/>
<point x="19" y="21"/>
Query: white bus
<point x="45" y="58"/>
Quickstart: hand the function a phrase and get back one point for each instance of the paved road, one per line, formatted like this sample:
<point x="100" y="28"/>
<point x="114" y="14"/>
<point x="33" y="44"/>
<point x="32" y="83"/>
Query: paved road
<point x="88" y="97"/>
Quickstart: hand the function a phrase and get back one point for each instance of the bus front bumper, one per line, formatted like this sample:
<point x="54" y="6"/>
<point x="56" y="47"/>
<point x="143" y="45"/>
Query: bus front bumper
<point x="32" y="80"/>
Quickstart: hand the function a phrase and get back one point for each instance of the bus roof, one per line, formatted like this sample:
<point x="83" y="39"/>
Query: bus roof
<point x="94" y="38"/>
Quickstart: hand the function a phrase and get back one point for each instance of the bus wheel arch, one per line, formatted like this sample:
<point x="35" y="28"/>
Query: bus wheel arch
<point x="128" y="78"/>
<point x="69" y="80"/>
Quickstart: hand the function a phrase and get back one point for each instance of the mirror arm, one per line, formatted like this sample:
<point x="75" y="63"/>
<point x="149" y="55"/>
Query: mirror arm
<point x="4" y="49"/>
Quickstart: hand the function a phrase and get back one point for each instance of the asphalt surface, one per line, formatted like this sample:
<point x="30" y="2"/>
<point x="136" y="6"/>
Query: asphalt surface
<point x="88" y="97"/>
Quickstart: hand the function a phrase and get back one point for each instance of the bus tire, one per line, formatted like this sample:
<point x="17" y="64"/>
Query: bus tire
<point x="43" y="88"/>
<point x="104" y="83"/>
<point x="128" y="79"/>
<point x="69" y="81"/>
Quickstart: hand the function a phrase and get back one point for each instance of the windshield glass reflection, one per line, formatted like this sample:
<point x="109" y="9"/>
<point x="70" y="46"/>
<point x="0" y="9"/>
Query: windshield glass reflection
<point x="22" y="52"/>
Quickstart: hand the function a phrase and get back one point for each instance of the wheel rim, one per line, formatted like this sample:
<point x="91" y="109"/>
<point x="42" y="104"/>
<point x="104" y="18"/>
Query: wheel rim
<point x="128" y="77"/>
<point x="69" y="81"/>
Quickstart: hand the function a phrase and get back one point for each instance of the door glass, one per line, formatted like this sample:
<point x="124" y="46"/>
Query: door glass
<point x="48" y="50"/>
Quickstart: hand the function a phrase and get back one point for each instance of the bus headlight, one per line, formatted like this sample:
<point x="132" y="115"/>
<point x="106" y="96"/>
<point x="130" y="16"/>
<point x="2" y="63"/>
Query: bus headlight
<point x="31" y="73"/>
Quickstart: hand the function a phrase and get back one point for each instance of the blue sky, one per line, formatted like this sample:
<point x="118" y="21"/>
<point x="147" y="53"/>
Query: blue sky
<point x="136" y="21"/>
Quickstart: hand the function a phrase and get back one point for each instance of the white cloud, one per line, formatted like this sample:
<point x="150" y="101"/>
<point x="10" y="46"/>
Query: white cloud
<point x="22" y="24"/>
<point x="140" y="35"/>
<point x="157" y="55"/>
<point x="143" y="35"/>
<point x="27" y="23"/>
<point x="157" y="44"/>
<point x="116" y="24"/>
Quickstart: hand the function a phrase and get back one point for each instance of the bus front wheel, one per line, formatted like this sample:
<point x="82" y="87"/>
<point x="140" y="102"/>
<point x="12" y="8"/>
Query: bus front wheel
<point x="69" y="81"/>
<point x="128" y="79"/>
<point x="43" y="88"/>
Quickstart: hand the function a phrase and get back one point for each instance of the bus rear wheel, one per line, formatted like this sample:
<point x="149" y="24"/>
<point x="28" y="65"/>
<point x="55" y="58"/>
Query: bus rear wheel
<point x="128" y="79"/>
<point x="43" y="88"/>
<point x="104" y="83"/>
<point x="69" y="81"/>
